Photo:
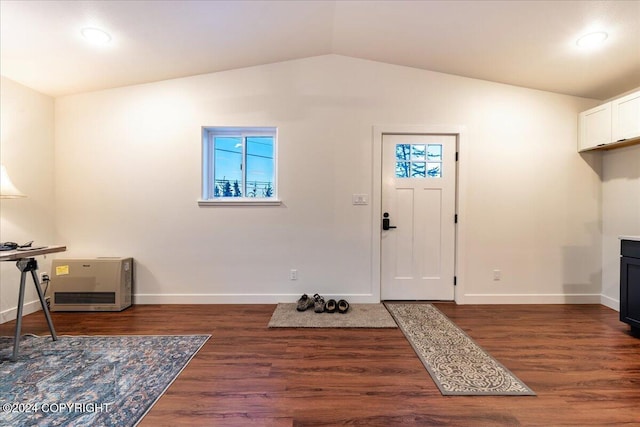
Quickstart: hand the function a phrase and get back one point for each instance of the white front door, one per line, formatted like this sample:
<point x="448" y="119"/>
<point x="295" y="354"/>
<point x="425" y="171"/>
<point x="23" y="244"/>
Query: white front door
<point x="418" y="198"/>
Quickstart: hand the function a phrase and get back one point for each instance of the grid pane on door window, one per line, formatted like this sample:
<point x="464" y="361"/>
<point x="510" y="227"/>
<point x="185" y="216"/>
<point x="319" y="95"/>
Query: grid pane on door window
<point x="418" y="160"/>
<point x="403" y="169"/>
<point x="418" y="152"/>
<point x="434" y="152"/>
<point x="403" y="152"/>
<point x="418" y="169"/>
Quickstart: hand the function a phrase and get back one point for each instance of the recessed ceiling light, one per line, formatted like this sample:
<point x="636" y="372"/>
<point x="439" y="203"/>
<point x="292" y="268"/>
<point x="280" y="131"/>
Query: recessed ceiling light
<point x="95" y="35"/>
<point x="592" y="39"/>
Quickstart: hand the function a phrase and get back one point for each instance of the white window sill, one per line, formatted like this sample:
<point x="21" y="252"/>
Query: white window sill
<point x="241" y="202"/>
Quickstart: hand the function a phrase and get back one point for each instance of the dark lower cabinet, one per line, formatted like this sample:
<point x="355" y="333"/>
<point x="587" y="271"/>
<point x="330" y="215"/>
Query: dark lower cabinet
<point x="630" y="284"/>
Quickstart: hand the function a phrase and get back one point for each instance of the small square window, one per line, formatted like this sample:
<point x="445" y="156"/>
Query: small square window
<point x="239" y="164"/>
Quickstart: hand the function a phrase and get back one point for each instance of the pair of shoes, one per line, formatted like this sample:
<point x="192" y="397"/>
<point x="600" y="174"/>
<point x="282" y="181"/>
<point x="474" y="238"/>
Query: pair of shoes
<point x="318" y="303"/>
<point x="341" y="306"/>
<point x="304" y="302"/>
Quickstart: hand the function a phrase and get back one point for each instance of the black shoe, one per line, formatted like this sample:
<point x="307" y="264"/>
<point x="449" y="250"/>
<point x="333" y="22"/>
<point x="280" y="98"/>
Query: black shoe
<point x="330" y="306"/>
<point x="304" y="302"/>
<point x="343" y="306"/>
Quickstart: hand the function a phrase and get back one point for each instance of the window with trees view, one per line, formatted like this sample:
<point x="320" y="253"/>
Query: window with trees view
<point x="418" y="161"/>
<point x="239" y="163"/>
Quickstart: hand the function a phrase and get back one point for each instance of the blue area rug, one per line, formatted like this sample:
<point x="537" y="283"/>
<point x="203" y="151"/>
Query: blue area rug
<point x="89" y="381"/>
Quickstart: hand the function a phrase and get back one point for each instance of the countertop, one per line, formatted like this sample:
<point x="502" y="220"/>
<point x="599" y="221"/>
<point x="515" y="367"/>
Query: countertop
<point x="636" y="238"/>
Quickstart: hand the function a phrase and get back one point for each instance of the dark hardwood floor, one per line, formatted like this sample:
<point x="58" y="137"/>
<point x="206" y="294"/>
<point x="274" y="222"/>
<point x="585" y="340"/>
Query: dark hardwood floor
<point x="580" y="360"/>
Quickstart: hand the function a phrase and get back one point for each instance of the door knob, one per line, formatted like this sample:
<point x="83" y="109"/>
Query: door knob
<point x="386" y="222"/>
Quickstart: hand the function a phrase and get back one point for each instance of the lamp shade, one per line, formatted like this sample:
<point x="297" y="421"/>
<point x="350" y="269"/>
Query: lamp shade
<point x="7" y="189"/>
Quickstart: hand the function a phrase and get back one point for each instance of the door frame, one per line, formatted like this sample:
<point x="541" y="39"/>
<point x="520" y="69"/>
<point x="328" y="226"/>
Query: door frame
<point x="460" y="198"/>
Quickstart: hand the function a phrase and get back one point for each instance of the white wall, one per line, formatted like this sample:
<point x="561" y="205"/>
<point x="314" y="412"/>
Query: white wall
<point x="26" y="149"/>
<point x="128" y="177"/>
<point x="620" y="214"/>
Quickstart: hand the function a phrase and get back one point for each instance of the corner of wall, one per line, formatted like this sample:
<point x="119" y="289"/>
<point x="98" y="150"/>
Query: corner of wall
<point x="26" y="145"/>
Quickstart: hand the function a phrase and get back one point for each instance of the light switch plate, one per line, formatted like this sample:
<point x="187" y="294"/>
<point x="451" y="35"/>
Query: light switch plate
<point x="360" y="199"/>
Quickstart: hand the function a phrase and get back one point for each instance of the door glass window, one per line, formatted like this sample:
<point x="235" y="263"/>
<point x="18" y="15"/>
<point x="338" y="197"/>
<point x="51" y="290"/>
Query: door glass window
<point x="418" y="160"/>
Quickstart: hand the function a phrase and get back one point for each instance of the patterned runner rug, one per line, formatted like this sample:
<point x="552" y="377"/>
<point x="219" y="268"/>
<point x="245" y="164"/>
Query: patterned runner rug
<point x="89" y="381"/>
<point x="456" y="363"/>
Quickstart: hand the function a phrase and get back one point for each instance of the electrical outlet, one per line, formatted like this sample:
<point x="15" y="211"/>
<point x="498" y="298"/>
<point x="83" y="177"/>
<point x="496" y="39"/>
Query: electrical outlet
<point x="293" y="274"/>
<point x="497" y="275"/>
<point x="44" y="277"/>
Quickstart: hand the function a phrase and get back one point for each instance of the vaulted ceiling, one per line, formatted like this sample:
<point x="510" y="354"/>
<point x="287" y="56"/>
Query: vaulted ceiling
<point x="524" y="43"/>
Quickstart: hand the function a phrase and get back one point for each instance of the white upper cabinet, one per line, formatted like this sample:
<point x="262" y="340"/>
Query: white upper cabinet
<point x="595" y="127"/>
<point x="625" y="114"/>
<point x="615" y="123"/>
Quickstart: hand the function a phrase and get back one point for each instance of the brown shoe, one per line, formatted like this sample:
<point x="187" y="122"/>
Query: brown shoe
<point x="318" y="303"/>
<point x="304" y="302"/>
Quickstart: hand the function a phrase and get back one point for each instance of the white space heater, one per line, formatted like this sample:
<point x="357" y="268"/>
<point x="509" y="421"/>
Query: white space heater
<point x="99" y="284"/>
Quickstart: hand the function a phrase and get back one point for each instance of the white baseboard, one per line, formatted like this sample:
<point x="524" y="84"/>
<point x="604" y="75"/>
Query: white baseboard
<point x="610" y="302"/>
<point x="361" y="298"/>
<point x="239" y="298"/>
<point x="33" y="306"/>
<point x="10" y="314"/>
<point x="531" y="299"/>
